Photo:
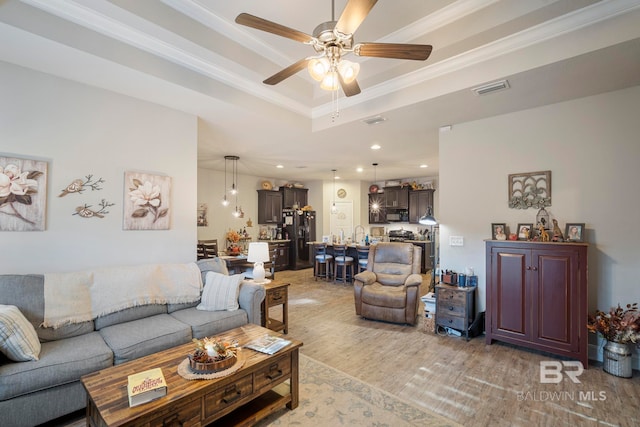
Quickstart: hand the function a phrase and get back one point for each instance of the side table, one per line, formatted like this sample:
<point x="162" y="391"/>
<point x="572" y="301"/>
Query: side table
<point x="277" y="293"/>
<point x="455" y="307"/>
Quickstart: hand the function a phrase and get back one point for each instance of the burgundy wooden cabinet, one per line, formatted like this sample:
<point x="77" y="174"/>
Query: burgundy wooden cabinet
<point x="537" y="296"/>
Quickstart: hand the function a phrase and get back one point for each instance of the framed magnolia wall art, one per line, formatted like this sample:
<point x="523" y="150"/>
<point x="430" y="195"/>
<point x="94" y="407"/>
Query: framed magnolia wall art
<point x="23" y="194"/>
<point x="146" y="201"/>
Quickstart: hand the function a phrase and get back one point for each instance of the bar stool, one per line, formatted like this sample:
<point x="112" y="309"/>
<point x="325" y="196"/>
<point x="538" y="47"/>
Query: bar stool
<point x="363" y="257"/>
<point x="342" y="260"/>
<point x="322" y="267"/>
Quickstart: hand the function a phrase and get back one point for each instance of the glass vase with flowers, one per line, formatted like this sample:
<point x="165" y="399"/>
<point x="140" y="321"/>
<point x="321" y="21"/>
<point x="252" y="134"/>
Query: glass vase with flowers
<point x="233" y="237"/>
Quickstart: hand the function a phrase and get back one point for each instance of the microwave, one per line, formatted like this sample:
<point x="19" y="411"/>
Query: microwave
<point x="398" y="216"/>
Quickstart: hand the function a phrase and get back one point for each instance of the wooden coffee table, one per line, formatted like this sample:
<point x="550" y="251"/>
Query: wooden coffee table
<point x="263" y="385"/>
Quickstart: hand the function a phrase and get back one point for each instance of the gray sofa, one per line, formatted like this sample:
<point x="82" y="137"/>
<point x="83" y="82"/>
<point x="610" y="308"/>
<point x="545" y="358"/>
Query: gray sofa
<point x="34" y="392"/>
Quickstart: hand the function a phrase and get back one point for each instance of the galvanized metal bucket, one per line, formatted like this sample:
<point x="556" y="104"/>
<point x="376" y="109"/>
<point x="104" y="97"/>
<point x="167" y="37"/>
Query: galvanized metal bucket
<point x="617" y="359"/>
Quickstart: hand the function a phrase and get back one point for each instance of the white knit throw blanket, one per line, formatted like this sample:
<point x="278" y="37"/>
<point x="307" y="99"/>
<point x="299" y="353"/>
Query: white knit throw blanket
<point x="80" y="296"/>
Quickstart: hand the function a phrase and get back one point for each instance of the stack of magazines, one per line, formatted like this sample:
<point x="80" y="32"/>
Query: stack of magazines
<point x="268" y="344"/>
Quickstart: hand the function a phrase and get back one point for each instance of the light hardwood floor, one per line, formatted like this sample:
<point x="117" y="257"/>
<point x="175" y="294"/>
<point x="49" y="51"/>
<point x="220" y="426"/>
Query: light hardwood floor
<point x="469" y="382"/>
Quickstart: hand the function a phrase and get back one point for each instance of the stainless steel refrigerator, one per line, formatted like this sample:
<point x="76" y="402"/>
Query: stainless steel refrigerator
<point x="301" y="228"/>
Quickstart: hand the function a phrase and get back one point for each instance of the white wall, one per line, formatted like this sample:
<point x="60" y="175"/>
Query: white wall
<point x="591" y="147"/>
<point x="81" y="130"/>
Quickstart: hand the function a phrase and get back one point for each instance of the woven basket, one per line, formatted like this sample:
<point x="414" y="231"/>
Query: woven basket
<point x="207" y="368"/>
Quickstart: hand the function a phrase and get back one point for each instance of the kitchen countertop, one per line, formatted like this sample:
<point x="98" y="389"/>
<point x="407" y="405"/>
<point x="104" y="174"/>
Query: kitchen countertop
<point x="274" y="240"/>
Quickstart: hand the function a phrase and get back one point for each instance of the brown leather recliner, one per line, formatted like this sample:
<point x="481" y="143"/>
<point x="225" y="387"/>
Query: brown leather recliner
<point x="389" y="289"/>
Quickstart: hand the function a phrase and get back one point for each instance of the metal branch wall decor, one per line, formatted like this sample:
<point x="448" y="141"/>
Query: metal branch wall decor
<point x="78" y="185"/>
<point x="530" y="190"/>
<point x="86" y="212"/>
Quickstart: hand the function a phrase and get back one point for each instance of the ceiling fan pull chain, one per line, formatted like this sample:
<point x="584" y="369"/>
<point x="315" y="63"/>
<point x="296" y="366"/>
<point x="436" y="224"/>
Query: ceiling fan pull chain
<point x="335" y="100"/>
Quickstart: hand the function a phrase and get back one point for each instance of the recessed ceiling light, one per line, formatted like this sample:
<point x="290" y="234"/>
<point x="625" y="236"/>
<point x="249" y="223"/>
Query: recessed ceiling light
<point x="337" y="177"/>
<point x="279" y="166"/>
<point x="375" y="147"/>
<point x="424" y="166"/>
<point x="359" y="170"/>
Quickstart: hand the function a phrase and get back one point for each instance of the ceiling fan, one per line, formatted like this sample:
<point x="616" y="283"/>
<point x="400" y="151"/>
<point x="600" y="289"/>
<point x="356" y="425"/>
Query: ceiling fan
<point x="332" y="40"/>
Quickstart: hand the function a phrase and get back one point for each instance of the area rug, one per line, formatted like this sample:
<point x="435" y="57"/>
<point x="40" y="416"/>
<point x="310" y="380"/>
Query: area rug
<point x="329" y="397"/>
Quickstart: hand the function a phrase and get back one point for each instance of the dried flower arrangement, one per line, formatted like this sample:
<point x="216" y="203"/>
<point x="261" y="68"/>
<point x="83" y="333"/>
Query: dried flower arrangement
<point x="233" y="236"/>
<point x="210" y="350"/>
<point x="619" y="325"/>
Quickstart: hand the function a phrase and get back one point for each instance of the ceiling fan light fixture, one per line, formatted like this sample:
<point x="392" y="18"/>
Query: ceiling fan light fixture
<point x="348" y="70"/>
<point x="318" y="68"/>
<point x="330" y="81"/>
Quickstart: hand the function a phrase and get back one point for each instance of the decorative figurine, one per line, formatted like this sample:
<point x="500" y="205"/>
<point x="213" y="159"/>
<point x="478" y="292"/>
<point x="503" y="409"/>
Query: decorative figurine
<point x="557" y="233"/>
<point x="544" y="236"/>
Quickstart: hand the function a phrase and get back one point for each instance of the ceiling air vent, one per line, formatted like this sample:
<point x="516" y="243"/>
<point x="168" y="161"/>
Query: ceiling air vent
<point x="491" y="87"/>
<point x="374" y="120"/>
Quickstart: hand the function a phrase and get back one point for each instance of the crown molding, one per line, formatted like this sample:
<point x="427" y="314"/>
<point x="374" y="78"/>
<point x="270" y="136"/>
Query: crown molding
<point x="557" y="27"/>
<point x="114" y="22"/>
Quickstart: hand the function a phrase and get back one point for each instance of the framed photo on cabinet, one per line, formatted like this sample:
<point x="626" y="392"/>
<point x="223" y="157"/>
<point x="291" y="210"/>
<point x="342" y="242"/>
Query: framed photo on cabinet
<point x="574" y="232"/>
<point x="524" y="231"/>
<point x="499" y="231"/>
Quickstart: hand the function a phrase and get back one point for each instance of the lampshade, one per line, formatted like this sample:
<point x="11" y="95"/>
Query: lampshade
<point x="428" y="218"/>
<point x="258" y="254"/>
<point x="330" y="81"/>
<point x="348" y="70"/>
<point x="318" y="68"/>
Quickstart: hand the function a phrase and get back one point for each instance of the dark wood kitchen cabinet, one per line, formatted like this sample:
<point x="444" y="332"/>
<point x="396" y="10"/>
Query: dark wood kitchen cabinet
<point x="537" y="296"/>
<point x="292" y="196"/>
<point x="281" y="251"/>
<point x="378" y="216"/>
<point x="396" y="197"/>
<point x="419" y="202"/>
<point x="269" y="207"/>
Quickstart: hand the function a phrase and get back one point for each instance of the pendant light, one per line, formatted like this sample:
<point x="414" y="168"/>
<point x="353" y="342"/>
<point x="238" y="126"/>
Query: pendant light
<point x="234" y="187"/>
<point x="225" y="202"/>
<point x="375" y="205"/>
<point x="334" y="209"/>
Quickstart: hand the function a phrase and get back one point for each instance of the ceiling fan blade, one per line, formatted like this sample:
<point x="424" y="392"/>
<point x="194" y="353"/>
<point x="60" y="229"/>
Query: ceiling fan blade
<point x="287" y="72"/>
<point x="349" y="89"/>
<point x="273" y="28"/>
<point x="418" y="52"/>
<point x="353" y="14"/>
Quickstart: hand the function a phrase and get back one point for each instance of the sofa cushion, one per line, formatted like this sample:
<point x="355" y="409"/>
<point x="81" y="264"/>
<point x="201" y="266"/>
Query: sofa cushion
<point x="18" y="338"/>
<point x="142" y="337"/>
<point x="216" y="264"/>
<point x="61" y="362"/>
<point x="129" y="314"/>
<point x="220" y="292"/>
<point x="64" y="331"/>
<point x="209" y="323"/>
<point x="26" y="291"/>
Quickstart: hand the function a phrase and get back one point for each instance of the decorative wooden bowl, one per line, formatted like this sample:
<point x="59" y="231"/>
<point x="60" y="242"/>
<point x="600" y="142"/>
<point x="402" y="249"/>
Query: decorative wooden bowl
<point x="208" y="368"/>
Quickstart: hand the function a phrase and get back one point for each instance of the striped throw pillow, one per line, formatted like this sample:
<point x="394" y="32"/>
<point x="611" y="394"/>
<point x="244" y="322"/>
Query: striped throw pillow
<point x="18" y="338"/>
<point x="220" y="292"/>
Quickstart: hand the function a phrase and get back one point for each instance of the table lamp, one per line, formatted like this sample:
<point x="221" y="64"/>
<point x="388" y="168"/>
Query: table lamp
<point x="258" y="254"/>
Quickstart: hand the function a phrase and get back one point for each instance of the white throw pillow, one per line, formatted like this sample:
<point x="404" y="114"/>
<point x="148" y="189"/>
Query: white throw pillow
<point x="220" y="292"/>
<point x="18" y="338"/>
